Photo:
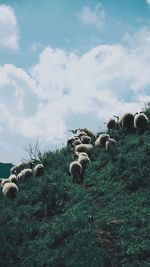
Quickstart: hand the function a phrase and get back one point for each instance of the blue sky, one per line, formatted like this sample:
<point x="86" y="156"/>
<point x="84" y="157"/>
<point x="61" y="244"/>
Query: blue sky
<point x="67" y="64"/>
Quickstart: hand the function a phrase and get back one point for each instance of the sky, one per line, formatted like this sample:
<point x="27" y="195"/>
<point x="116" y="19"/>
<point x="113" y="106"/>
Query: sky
<point x="66" y="64"/>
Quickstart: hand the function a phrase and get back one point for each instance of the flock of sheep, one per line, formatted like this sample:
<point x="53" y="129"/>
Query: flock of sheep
<point x="83" y="141"/>
<point x="18" y="173"/>
<point x="138" y="122"/>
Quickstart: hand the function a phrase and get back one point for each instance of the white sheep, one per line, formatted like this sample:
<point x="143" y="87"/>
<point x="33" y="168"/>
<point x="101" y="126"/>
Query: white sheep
<point x="85" y="139"/>
<point x="109" y="143"/>
<point x="81" y="133"/>
<point x="112" y="124"/>
<point x="71" y="140"/>
<point x="83" y="160"/>
<point x="77" y="142"/>
<point x="25" y="174"/>
<point x="13" y="170"/>
<point x="9" y="189"/>
<point x="38" y="170"/>
<point x="75" y="170"/>
<point x="81" y="154"/>
<point x="101" y="140"/>
<point x="84" y="148"/>
<point x="141" y="122"/>
<point x="89" y="133"/>
<point x="13" y="178"/>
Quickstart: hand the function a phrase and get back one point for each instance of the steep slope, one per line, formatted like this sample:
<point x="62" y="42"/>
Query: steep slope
<point x="54" y="222"/>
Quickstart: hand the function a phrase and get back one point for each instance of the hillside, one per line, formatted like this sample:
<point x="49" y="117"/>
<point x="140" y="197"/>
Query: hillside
<point x="56" y="223"/>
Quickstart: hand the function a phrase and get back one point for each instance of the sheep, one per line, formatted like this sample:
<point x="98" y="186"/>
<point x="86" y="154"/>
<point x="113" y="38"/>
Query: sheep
<point x="9" y="189"/>
<point x="83" y="160"/>
<point x="13" y="170"/>
<point x="71" y="140"/>
<point x="119" y="121"/>
<point x="141" y="122"/>
<point x="128" y="121"/>
<point x="89" y="133"/>
<point x="112" y="124"/>
<point x="109" y="143"/>
<point x="19" y="167"/>
<point x="81" y="154"/>
<point x="32" y="163"/>
<point x="77" y="142"/>
<point x="38" y="170"/>
<point x="3" y="181"/>
<point x="85" y="139"/>
<point x="19" y="176"/>
<point x="75" y="170"/>
<point x="81" y="133"/>
<point x="13" y="178"/>
<point x="101" y="140"/>
<point x="25" y="174"/>
<point x="84" y="148"/>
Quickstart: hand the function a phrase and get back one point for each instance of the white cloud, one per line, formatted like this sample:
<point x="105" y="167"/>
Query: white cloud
<point x="95" y="17"/>
<point x="148" y="2"/>
<point x="64" y="90"/>
<point x="8" y="28"/>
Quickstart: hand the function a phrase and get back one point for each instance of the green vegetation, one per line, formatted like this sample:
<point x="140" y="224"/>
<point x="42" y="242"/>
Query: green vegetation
<point x="56" y="223"/>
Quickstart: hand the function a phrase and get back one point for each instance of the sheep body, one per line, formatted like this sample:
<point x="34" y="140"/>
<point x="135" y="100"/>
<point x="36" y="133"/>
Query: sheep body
<point x="81" y="154"/>
<point x="101" y="140"/>
<point x="109" y="143"/>
<point x="38" y="170"/>
<point x="75" y="170"/>
<point x="141" y="122"/>
<point x="3" y="181"/>
<point x="77" y="142"/>
<point x="10" y="189"/>
<point x="89" y="132"/>
<point x="81" y="133"/>
<point x="84" y="148"/>
<point x="128" y="121"/>
<point x="85" y="139"/>
<point x="26" y="174"/>
<point x="111" y="124"/>
<point x="83" y="160"/>
<point x="13" y="178"/>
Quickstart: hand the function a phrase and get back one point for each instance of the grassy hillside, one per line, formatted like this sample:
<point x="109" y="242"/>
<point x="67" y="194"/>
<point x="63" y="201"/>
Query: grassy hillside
<point x="55" y="223"/>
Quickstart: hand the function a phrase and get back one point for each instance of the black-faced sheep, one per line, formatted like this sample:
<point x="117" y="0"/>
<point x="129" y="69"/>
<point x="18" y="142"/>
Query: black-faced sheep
<point x="13" y="170"/>
<point x="89" y="133"/>
<point x="81" y="154"/>
<point x="38" y="170"/>
<point x="112" y="124"/>
<point x="141" y="122"/>
<point x="83" y="160"/>
<point x="75" y="170"/>
<point x="25" y="175"/>
<point x="128" y="121"/>
<point x="84" y="148"/>
<point x="9" y="189"/>
<point x="119" y="121"/>
<point x="77" y="142"/>
<point x="85" y="139"/>
<point x="13" y="178"/>
<point x="101" y="140"/>
<point x="81" y="133"/>
<point x="110" y="143"/>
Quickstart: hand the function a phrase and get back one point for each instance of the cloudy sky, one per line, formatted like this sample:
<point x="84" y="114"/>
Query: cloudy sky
<point x="66" y="64"/>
